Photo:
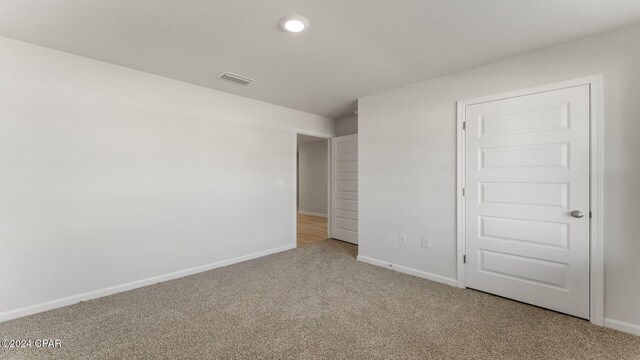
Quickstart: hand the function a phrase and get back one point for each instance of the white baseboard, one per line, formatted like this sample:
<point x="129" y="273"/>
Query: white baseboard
<point x="622" y="326"/>
<point x="54" y="304"/>
<point x="311" y="213"/>
<point x="408" y="270"/>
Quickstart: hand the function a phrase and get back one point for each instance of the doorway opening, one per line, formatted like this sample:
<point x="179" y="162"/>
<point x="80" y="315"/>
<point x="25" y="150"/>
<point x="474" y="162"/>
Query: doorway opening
<point x="312" y="190"/>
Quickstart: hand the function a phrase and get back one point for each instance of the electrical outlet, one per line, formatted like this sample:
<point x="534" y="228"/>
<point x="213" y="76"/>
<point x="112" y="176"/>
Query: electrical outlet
<point x="426" y="242"/>
<point x="401" y="238"/>
<point x="234" y="232"/>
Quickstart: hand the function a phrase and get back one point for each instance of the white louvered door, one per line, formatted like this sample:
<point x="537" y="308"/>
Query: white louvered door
<point x="344" y="188"/>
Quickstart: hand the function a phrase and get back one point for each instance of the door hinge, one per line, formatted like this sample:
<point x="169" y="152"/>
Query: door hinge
<point x="464" y="259"/>
<point x="464" y="192"/>
<point x="464" y="125"/>
<point x="590" y="215"/>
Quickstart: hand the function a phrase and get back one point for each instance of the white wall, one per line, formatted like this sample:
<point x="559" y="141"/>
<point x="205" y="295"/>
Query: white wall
<point x="347" y="126"/>
<point x="313" y="177"/>
<point x="407" y="157"/>
<point x="110" y="176"/>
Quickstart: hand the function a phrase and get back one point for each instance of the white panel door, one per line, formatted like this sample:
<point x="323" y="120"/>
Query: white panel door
<point x="527" y="170"/>
<point x="344" y="188"/>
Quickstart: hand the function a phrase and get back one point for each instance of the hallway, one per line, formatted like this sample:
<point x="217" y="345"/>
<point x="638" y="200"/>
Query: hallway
<point x="311" y="229"/>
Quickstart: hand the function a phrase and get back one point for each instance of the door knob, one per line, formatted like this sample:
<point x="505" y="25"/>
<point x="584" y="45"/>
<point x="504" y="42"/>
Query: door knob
<point x="577" y="214"/>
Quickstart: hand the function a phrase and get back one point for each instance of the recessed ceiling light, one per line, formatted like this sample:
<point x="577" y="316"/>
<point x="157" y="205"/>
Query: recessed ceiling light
<point x="294" y="23"/>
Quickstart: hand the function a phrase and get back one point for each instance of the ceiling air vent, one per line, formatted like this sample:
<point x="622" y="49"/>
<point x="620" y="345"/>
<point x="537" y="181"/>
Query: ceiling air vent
<point x="235" y="78"/>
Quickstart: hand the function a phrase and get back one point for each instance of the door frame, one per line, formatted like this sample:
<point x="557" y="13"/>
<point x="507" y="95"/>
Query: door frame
<point x="596" y="191"/>
<point x="294" y="177"/>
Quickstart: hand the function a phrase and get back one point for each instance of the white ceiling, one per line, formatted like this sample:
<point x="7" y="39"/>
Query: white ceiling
<point x="352" y="48"/>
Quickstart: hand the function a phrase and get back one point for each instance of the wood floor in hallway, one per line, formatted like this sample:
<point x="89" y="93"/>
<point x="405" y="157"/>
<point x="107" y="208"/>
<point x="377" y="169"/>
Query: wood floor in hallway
<point x="311" y="229"/>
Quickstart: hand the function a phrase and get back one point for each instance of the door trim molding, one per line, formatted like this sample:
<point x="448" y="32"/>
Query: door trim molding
<point x="596" y="276"/>
<point x="294" y="181"/>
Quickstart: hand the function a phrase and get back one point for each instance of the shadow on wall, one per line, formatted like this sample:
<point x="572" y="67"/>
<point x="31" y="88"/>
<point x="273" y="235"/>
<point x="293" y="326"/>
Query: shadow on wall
<point x="347" y="126"/>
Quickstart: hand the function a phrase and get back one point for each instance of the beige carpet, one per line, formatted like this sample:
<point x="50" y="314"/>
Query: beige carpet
<point x="313" y="302"/>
